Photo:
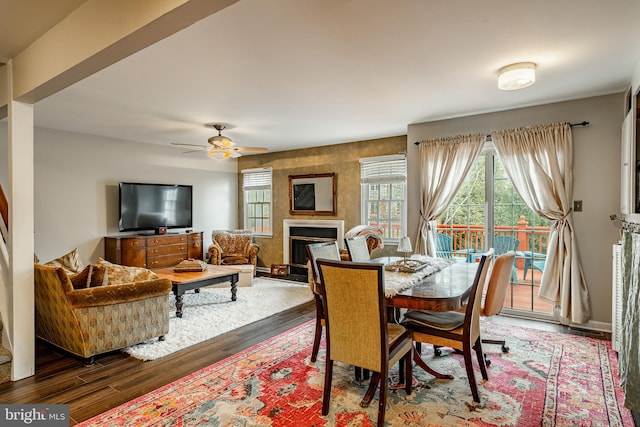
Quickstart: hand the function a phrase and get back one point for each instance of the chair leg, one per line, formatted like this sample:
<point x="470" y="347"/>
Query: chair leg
<point x="327" y="386"/>
<point x="316" y="340"/>
<point x="382" y="399"/>
<point x="408" y="375"/>
<point x="470" y="375"/>
<point x="371" y="390"/>
<point x="480" y="355"/>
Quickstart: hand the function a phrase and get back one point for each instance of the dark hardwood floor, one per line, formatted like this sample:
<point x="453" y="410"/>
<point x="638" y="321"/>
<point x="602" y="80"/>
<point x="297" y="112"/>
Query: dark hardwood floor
<point x="116" y="378"/>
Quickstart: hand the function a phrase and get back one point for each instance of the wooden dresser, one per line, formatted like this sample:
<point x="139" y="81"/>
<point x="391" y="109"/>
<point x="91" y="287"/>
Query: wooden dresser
<point x="154" y="251"/>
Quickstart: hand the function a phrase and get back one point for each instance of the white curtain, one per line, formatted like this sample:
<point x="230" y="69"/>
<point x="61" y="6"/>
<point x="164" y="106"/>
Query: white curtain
<point x="539" y="161"/>
<point x="444" y="164"/>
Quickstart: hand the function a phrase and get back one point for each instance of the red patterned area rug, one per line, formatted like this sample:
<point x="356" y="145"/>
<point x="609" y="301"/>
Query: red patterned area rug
<point x="547" y="379"/>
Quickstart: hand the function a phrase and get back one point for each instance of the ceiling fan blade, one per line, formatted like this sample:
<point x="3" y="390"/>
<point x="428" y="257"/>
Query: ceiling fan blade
<point x="250" y="149"/>
<point x="192" y="151"/>
<point x="189" y="145"/>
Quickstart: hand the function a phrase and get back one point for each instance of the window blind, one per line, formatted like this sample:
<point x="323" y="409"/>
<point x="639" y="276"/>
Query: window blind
<point x="256" y="179"/>
<point x="383" y="169"/>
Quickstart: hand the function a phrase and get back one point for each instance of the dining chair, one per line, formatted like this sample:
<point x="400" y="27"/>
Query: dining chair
<point x="496" y="292"/>
<point x="357" y="330"/>
<point x="358" y="249"/>
<point x="453" y="329"/>
<point x="326" y="250"/>
<point x="494" y="296"/>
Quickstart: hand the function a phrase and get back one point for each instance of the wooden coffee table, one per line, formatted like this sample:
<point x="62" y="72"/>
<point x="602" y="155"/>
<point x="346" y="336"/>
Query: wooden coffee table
<point x="194" y="280"/>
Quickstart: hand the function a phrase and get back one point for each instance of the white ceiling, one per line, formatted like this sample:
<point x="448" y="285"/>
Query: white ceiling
<point x="288" y="74"/>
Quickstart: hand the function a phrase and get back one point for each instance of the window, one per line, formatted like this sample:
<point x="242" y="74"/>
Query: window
<point x="256" y="186"/>
<point x="384" y="183"/>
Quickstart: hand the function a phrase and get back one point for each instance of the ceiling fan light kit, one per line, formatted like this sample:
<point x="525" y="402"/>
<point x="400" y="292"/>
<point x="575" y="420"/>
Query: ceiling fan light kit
<point x="220" y="147"/>
<point x="517" y="76"/>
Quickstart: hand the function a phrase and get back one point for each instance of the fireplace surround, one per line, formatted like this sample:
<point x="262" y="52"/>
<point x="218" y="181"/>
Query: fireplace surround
<point x="298" y="233"/>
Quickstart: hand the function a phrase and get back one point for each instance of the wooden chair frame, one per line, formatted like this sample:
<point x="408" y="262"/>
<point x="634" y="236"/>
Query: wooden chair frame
<point x="335" y="277"/>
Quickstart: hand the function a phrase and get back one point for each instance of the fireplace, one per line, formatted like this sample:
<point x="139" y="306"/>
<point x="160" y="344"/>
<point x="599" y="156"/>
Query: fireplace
<point x="297" y="234"/>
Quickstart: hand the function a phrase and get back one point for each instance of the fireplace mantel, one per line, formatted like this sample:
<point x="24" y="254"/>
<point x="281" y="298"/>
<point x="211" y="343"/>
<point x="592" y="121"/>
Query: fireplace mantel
<point x="337" y="224"/>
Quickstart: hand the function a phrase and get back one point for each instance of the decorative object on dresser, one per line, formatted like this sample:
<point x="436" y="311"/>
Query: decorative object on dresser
<point x="233" y="247"/>
<point x="155" y="251"/>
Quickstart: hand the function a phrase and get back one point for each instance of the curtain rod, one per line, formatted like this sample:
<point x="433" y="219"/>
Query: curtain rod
<point x="583" y="123"/>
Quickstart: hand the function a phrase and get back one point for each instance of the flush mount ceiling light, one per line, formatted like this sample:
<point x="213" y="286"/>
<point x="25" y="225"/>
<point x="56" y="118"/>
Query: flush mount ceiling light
<point x="517" y="76"/>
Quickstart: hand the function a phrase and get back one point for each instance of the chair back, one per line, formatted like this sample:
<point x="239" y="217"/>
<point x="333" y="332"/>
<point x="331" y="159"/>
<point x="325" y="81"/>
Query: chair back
<point x="504" y="243"/>
<point x="498" y="283"/>
<point x="326" y="250"/>
<point x="358" y="249"/>
<point x="444" y="245"/>
<point x="355" y="309"/>
<point x="474" y="305"/>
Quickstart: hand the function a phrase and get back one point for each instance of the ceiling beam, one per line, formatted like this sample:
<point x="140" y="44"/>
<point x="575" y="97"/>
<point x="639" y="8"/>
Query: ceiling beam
<point x="95" y="35"/>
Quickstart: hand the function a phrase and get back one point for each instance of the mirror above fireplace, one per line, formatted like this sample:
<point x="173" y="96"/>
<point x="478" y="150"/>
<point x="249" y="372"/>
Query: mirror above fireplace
<point x="312" y="194"/>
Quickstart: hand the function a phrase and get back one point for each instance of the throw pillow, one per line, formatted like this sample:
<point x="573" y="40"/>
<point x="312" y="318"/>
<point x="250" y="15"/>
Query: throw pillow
<point x="91" y="276"/>
<point x="81" y="280"/>
<point x="70" y="262"/>
<point x="99" y="276"/>
<point x="119" y="274"/>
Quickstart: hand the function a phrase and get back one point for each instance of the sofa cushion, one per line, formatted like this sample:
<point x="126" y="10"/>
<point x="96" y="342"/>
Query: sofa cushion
<point x="119" y="274"/>
<point x="70" y="262"/>
<point x="235" y="259"/>
<point x="91" y="276"/>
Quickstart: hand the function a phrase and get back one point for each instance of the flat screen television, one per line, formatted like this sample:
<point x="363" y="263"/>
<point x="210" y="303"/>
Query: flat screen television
<point x="149" y="206"/>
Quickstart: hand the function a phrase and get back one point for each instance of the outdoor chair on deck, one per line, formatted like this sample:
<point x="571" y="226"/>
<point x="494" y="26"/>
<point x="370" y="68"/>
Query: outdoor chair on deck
<point x="502" y="245"/>
<point x="444" y="248"/>
<point x="357" y="331"/>
<point x="460" y="331"/>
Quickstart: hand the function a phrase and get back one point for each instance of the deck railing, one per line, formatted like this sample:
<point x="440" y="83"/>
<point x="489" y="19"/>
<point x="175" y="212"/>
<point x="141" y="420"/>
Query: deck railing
<point x="466" y="236"/>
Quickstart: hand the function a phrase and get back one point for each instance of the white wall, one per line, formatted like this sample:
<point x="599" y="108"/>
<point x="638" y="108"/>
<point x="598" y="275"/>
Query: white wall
<point x="596" y="176"/>
<point x="76" y="193"/>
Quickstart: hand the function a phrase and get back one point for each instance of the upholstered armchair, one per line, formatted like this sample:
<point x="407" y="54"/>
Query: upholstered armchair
<point x="87" y="316"/>
<point x="233" y="247"/>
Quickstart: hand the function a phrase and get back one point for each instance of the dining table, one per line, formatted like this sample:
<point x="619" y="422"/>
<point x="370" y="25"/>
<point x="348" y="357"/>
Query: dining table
<point x="445" y="289"/>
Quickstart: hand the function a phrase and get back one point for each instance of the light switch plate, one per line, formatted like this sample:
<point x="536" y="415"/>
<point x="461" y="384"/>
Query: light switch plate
<point x="577" y="205"/>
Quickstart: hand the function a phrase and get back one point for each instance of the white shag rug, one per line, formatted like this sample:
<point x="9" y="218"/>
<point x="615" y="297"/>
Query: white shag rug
<point x="211" y="313"/>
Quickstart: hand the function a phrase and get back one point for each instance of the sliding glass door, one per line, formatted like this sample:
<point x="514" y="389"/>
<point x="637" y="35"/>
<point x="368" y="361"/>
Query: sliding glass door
<point x="487" y="212"/>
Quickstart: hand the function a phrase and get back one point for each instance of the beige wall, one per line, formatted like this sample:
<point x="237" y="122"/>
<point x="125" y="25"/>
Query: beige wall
<point x="76" y="193"/>
<point x="342" y="159"/>
<point x="596" y="177"/>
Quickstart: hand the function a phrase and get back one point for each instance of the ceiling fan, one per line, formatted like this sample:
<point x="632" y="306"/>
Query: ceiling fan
<point x="221" y="147"/>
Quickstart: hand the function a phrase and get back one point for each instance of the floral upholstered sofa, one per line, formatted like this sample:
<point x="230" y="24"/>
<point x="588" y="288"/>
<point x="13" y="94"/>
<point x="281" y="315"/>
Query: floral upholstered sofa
<point x="101" y="308"/>
<point x="233" y="247"/>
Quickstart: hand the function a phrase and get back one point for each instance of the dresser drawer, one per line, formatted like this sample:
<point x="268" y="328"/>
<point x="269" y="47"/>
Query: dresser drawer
<point x="166" y="240"/>
<point x="154" y="251"/>
<point x="165" y="261"/>
<point x="133" y="243"/>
